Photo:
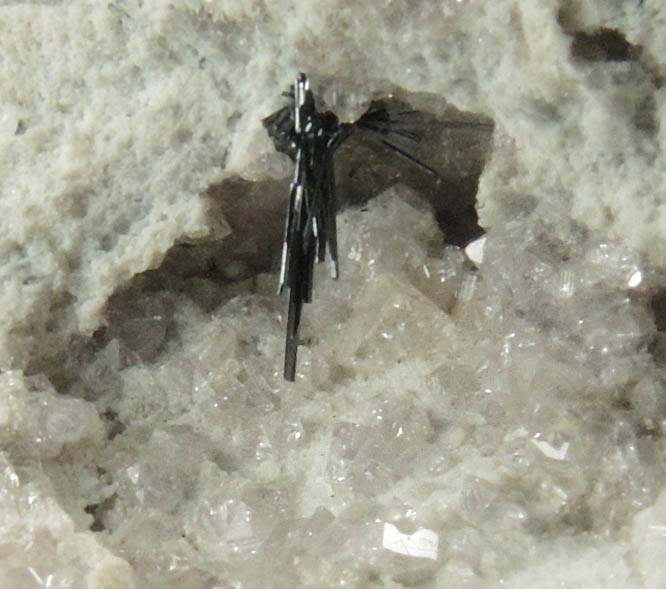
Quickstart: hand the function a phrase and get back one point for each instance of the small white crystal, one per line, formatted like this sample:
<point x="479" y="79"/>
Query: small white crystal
<point x="550" y="451"/>
<point x="636" y="279"/>
<point x="474" y="250"/>
<point x="423" y="543"/>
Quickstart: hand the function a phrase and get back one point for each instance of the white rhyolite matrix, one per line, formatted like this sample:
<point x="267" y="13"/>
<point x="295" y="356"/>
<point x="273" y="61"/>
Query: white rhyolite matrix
<point x="453" y="423"/>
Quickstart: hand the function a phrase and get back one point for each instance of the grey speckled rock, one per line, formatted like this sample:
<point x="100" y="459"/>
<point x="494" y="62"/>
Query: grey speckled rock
<point x="450" y="424"/>
<point x="111" y="133"/>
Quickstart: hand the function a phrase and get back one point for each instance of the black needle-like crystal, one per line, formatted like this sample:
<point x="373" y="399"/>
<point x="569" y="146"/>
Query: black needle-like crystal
<point x="310" y="138"/>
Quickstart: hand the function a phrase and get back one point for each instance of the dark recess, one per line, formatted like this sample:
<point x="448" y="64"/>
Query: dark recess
<point x="455" y="146"/>
<point x="657" y="347"/>
<point x="658" y="307"/>
<point x="99" y="511"/>
<point x="602" y="45"/>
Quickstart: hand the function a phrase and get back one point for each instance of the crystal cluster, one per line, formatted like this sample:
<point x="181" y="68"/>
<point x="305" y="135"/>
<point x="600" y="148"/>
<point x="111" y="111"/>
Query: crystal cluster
<point x="40" y="544"/>
<point x="450" y="424"/>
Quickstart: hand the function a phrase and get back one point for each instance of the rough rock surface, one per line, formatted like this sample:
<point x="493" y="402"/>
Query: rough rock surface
<point x="452" y="423"/>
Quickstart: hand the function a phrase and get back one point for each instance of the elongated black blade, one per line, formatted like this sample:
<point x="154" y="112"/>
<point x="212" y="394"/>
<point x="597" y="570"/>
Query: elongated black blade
<point x="310" y="138"/>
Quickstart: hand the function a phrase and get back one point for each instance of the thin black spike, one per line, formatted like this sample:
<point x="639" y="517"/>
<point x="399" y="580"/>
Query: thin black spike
<point x="310" y="138"/>
<point x="409" y="157"/>
<point x="468" y="125"/>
